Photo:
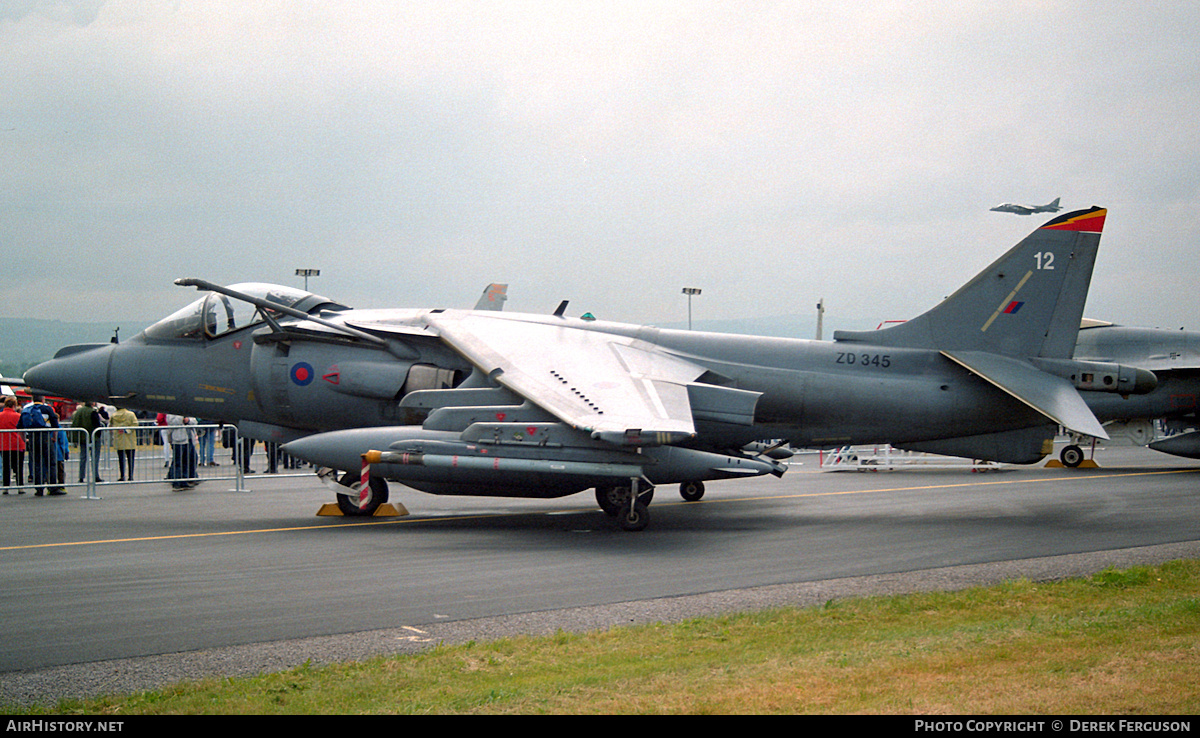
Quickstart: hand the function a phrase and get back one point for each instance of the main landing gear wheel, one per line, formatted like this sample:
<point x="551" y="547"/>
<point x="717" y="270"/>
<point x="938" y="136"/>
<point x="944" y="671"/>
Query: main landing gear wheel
<point x="1071" y="456"/>
<point x="691" y="491"/>
<point x="614" y="500"/>
<point x="377" y="494"/>
<point x="636" y="516"/>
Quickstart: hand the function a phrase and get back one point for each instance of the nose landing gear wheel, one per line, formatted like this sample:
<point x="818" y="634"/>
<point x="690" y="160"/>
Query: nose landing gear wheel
<point x="614" y="500"/>
<point x="618" y="501"/>
<point x="636" y="517"/>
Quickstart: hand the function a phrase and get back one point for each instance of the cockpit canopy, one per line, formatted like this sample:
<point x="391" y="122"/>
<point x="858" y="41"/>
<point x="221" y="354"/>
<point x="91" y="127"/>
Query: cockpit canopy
<point x="215" y="314"/>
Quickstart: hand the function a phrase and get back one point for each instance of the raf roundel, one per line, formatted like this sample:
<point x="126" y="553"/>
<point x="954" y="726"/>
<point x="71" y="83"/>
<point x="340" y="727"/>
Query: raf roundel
<point x="302" y="373"/>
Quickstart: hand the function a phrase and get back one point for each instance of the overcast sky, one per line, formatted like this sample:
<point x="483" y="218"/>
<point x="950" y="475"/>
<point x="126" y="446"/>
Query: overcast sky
<point x="609" y="152"/>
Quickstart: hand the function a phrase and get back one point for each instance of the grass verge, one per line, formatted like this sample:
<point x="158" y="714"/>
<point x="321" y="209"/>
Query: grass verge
<point x="1118" y="642"/>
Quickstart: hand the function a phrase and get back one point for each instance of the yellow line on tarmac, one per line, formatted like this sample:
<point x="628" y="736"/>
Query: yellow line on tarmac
<point x="980" y="483"/>
<point x="178" y="536"/>
<point x="460" y="518"/>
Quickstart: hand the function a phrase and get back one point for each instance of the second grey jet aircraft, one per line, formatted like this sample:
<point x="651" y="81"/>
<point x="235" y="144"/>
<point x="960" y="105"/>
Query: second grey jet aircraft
<point x="1174" y="357"/>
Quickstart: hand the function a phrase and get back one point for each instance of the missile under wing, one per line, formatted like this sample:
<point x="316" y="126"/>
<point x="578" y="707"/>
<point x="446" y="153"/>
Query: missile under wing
<point x="484" y="402"/>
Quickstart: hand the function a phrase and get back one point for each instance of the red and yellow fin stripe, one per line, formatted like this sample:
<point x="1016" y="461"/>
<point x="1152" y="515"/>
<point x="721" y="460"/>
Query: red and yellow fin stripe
<point x="1088" y="221"/>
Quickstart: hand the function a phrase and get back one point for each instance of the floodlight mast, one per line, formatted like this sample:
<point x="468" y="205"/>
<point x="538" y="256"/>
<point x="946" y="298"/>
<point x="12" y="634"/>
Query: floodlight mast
<point x="689" y="291"/>
<point x="306" y="273"/>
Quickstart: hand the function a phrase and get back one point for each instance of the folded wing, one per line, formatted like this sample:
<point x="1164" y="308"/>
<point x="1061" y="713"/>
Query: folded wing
<point x="614" y="387"/>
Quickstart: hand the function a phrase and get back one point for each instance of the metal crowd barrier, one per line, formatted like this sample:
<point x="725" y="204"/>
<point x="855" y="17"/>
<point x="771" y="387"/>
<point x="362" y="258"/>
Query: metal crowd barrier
<point x="112" y="457"/>
<point x="45" y="464"/>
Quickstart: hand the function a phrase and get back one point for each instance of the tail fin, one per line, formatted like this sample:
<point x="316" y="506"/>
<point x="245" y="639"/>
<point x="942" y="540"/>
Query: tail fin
<point x="1054" y="206"/>
<point x="493" y="297"/>
<point x="1028" y="303"/>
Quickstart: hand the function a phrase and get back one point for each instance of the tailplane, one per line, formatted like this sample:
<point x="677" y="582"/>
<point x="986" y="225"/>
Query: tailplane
<point x="1028" y="303"/>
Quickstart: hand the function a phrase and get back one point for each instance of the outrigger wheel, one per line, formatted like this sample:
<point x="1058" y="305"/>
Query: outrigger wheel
<point x="377" y="494"/>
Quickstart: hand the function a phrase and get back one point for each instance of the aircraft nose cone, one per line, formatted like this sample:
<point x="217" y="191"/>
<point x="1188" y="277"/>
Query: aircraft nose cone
<point x="76" y="372"/>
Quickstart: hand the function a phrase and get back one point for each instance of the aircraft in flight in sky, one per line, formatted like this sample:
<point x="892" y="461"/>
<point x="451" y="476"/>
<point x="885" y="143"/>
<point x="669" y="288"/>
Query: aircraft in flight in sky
<point x="1008" y="207"/>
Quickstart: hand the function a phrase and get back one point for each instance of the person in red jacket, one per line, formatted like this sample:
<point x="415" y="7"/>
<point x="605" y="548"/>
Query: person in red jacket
<point x="12" y="446"/>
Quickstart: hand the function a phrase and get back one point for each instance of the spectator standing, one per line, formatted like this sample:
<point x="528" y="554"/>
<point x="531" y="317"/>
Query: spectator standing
<point x="88" y="418"/>
<point x="124" y="424"/>
<point x="206" y="440"/>
<point x="41" y="445"/>
<point x="183" y="451"/>
<point x="12" y="446"/>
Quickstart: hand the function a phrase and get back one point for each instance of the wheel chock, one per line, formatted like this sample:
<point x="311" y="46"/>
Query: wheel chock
<point x="386" y="510"/>
<point x="1085" y="464"/>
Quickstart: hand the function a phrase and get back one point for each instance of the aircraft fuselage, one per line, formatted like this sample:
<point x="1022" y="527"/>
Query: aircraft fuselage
<point x="813" y="392"/>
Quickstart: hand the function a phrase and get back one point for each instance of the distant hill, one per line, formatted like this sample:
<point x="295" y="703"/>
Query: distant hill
<point x="27" y="341"/>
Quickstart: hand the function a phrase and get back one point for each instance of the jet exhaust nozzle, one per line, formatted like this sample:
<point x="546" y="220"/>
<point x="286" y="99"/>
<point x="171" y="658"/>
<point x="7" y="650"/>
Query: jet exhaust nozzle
<point x="1097" y="376"/>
